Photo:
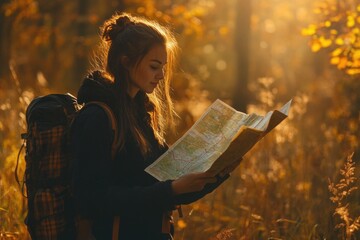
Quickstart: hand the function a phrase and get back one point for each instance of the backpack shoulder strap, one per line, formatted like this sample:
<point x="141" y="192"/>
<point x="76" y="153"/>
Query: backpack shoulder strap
<point x="113" y="124"/>
<point x="114" y="148"/>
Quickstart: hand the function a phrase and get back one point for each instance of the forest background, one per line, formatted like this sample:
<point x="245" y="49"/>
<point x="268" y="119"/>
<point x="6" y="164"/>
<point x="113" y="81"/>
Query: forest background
<point x="300" y="182"/>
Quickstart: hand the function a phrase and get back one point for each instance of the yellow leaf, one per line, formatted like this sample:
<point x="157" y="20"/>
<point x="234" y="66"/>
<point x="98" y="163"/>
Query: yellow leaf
<point x="335" y="60"/>
<point x="336" y="52"/>
<point x="325" y="42"/>
<point x="358" y="8"/>
<point x="355" y="64"/>
<point x="304" y="32"/>
<point x="352" y="38"/>
<point x="315" y="46"/>
<point x="181" y="224"/>
<point x="358" y="19"/>
<point x="356" y="54"/>
<point x="353" y="71"/>
<point x="339" y="41"/>
<point x="350" y="21"/>
<point x="342" y="63"/>
<point x="311" y="30"/>
<point x="327" y="24"/>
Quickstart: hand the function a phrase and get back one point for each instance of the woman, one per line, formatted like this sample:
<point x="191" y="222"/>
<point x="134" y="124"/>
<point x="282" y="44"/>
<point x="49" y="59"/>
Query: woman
<point x="134" y="81"/>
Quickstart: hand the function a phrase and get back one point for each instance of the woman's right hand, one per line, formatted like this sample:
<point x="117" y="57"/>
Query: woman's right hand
<point x="192" y="182"/>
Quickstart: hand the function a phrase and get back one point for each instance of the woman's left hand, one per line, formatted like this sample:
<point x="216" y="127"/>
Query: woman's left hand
<point x="230" y="168"/>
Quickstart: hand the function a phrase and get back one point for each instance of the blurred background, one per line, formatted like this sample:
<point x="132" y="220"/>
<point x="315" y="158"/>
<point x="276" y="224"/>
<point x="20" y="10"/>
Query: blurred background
<point x="300" y="182"/>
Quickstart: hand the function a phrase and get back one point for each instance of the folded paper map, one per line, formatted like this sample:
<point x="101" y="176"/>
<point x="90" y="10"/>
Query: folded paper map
<point x="221" y="136"/>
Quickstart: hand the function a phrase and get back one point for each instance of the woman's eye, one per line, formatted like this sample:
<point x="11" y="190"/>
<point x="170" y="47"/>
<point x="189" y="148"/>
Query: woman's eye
<point x="154" y="67"/>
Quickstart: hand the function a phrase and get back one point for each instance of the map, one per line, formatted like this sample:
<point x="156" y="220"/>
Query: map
<point x="220" y="136"/>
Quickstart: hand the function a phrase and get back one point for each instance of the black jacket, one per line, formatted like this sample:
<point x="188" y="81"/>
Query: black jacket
<point x="105" y="187"/>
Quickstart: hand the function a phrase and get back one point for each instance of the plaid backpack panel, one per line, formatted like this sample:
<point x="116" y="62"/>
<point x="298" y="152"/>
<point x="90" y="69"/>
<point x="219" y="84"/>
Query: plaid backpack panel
<point x="48" y="163"/>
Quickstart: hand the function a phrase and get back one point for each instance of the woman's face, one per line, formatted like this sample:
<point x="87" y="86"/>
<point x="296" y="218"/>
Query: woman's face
<point x="146" y="75"/>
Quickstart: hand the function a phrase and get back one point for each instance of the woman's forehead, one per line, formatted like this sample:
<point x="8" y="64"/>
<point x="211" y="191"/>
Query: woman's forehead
<point x="157" y="54"/>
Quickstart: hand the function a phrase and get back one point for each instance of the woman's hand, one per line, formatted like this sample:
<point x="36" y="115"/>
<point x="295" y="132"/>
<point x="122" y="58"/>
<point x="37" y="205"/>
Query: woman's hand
<point x="192" y="182"/>
<point x="230" y="168"/>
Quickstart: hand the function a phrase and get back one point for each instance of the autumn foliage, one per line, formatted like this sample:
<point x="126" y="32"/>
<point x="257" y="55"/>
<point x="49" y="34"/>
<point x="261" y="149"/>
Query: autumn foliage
<point x="300" y="182"/>
<point x="339" y="31"/>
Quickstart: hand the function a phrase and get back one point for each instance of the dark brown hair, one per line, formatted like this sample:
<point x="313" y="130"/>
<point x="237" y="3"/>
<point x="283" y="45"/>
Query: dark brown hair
<point x="133" y="37"/>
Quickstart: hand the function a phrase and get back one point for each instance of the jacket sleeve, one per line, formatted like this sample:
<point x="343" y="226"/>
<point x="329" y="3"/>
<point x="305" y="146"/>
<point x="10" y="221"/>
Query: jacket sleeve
<point x="188" y="198"/>
<point x="93" y="192"/>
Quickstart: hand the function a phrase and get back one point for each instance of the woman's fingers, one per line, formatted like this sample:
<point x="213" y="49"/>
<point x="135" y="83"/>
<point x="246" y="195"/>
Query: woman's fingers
<point x="201" y="179"/>
<point x="192" y="182"/>
<point x="208" y="180"/>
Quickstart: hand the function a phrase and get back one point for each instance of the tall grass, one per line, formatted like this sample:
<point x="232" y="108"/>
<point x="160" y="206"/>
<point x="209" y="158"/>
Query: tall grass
<point x="13" y="206"/>
<point x="341" y="192"/>
<point x="280" y="190"/>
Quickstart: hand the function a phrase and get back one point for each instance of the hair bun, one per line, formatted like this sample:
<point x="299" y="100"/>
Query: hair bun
<point x="116" y="26"/>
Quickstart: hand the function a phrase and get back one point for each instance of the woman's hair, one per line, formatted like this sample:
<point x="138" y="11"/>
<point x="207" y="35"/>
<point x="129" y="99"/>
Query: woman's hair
<point x="133" y="37"/>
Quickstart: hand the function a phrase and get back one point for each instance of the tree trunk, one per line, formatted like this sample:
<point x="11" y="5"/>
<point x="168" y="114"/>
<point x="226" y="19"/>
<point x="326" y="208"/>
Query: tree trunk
<point x="5" y="46"/>
<point x="242" y="42"/>
<point x="81" y="60"/>
<point x="83" y="32"/>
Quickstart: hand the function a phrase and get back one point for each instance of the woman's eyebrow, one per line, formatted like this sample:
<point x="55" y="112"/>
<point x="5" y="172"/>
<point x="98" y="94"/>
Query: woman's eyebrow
<point x="157" y="61"/>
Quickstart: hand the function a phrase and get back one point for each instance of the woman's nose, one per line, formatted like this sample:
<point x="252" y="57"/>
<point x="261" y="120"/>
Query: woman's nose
<point x="160" y="75"/>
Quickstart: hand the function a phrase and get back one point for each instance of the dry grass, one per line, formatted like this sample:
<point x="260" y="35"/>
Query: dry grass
<point x="341" y="193"/>
<point x="278" y="192"/>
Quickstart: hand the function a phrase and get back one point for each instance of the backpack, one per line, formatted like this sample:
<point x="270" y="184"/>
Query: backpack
<point x="47" y="177"/>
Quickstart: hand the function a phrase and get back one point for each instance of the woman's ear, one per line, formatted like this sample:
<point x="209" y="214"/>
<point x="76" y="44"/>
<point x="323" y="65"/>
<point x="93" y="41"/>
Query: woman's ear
<point x="124" y="60"/>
